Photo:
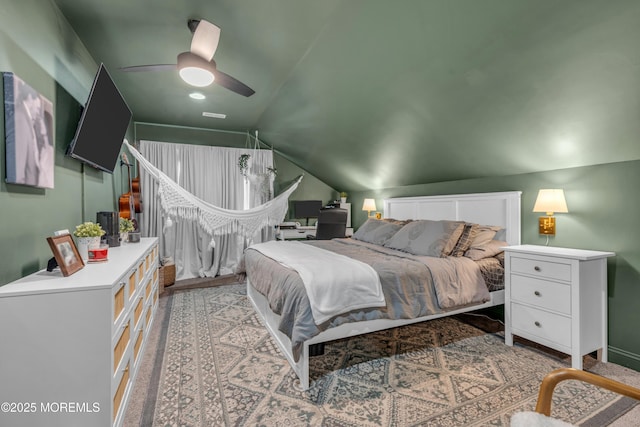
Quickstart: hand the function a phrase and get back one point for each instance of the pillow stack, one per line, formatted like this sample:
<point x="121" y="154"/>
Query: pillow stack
<point x="434" y="238"/>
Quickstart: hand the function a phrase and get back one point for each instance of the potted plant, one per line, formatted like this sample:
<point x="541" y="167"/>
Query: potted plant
<point x="243" y="163"/>
<point x="88" y="235"/>
<point x="343" y="197"/>
<point x="126" y="225"/>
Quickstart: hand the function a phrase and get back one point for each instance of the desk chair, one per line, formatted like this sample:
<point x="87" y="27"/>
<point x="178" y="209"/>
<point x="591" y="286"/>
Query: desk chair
<point x="543" y="408"/>
<point x="332" y="222"/>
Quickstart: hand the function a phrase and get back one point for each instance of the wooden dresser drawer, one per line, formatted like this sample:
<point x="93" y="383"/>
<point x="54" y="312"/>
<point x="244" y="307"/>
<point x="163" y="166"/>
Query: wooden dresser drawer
<point x="551" y="327"/>
<point x="119" y="302"/>
<point x="120" y="347"/>
<point x="140" y="272"/>
<point x="132" y="283"/>
<point x="546" y="269"/>
<point x="120" y="390"/>
<point x="138" y="344"/>
<point x="137" y="311"/>
<point x="544" y="294"/>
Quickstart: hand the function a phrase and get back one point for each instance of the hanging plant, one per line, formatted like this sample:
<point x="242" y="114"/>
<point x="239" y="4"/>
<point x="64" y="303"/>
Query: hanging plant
<point x="243" y="163"/>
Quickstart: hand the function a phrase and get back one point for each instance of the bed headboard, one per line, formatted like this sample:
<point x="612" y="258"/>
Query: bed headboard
<point x="501" y="209"/>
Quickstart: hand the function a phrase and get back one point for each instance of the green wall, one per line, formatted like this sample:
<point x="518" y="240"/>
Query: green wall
<point x="603" y="204"/>
<point x="38" y="45"/>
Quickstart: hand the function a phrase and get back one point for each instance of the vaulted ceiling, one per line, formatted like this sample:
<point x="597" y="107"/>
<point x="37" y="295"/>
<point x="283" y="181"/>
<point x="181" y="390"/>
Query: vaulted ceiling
<point x="378" y="93"/>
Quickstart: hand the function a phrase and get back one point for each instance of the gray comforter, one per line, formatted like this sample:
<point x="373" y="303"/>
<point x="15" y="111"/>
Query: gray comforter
<point x="413" y="286"/>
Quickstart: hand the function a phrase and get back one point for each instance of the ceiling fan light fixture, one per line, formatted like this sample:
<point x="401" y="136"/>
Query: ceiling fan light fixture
<point x="195" y="70"/>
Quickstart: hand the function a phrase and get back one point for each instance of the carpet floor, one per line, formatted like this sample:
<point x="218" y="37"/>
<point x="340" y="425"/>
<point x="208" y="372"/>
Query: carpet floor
<point x="209" y="362"/>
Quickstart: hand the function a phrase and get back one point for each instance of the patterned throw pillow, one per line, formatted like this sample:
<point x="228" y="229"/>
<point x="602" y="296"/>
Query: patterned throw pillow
<point x="426" y="237"/>
<point x="464" y="242"/>
<point x="376" y="231"/>
<point x="484" y="234"/>
<point x="489" y="249"/>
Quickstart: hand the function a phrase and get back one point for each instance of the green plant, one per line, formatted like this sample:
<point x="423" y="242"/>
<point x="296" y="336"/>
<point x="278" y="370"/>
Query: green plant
<point x="88" y="229"/>
<point x="243" y="163"/>
<point x="343" y="194"/>
<point x="126" y="225"/>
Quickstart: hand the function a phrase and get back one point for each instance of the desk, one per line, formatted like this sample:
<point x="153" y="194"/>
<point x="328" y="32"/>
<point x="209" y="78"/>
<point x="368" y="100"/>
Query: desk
<point x="297" y="233"/>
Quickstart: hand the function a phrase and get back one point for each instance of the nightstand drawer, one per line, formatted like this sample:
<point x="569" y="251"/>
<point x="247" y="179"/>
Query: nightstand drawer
<point x="547" y="269"/>
<point x="550" y="295"/>
<point x="542" y="324"/>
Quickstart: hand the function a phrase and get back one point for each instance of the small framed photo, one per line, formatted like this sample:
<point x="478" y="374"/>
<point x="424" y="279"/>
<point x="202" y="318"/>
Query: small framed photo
<point x="66" y="254"/>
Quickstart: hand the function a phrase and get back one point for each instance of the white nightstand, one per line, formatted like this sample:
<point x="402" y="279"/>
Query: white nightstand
<point x="557" y="297"/>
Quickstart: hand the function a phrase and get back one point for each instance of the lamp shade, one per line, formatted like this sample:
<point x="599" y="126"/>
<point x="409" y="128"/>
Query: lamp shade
<point x="195" y="70"/>
<point x="369" y="205"/>
<point x="550" y="201"/>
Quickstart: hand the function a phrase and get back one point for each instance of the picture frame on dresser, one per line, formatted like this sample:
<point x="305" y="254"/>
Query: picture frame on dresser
<point x="66" y="254"/>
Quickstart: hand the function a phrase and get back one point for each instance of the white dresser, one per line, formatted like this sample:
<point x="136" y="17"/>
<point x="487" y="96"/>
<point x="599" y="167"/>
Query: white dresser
<point x="71" y="346"/>
<point x="557" y="297"/>
<point x="347" y="206"/>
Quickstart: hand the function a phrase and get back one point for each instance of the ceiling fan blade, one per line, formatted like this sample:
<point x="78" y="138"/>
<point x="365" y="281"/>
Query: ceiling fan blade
<point x="155" y="67"/>
<point x="226" y="81"/>
<point x="205" y="40"/>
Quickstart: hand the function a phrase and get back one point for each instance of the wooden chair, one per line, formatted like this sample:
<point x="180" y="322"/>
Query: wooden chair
<point x="543" y="406"/>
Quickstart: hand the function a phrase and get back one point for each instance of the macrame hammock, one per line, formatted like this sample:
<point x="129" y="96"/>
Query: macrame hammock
<point x="178" y="202"/>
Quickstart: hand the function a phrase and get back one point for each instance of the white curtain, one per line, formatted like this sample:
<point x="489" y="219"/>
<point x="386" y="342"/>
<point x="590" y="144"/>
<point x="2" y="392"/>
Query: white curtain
<point x="213" y="175"/>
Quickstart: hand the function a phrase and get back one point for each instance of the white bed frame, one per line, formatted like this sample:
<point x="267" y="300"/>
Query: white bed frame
<point x="501" y="209"/>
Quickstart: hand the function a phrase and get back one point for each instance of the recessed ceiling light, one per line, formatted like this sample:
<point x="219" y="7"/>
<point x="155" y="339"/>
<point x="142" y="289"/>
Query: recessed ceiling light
<point x="214" y="115"/>
<point x="196" y="95"/>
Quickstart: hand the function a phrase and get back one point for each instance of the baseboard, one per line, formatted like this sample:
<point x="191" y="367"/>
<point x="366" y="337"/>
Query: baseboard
<point x="624" y="358"/>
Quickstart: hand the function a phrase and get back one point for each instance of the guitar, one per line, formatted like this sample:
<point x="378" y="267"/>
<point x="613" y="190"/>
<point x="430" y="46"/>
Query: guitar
<point x="125" y="201"/>
<point x="135" y="189"/>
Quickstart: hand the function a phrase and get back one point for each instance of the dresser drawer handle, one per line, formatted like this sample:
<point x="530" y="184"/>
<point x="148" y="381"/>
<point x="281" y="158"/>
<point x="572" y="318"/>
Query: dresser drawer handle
<point x="537" y="293"/>
<point x="536" y="268"/>
<point x="537" y="324"/>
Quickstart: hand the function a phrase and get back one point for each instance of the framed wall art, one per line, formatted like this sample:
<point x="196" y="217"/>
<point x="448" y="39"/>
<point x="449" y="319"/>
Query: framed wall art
<point x="29" y="134"/>
<point x="66" y="254"/>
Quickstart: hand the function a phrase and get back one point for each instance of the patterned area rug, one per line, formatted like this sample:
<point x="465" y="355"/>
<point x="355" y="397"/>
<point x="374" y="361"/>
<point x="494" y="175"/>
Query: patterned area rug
<point x="221" y="368"/>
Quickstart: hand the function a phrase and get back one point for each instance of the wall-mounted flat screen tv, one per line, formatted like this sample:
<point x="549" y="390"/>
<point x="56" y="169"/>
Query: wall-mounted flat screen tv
<point x="102" y="126"/>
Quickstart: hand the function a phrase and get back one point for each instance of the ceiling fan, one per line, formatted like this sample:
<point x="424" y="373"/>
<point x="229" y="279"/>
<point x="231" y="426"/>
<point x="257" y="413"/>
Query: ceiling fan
<point x="197" y="66"/>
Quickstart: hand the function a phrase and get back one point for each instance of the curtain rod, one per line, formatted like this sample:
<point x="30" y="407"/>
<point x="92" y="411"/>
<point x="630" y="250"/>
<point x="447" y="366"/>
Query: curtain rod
<point x="235" y="132"/>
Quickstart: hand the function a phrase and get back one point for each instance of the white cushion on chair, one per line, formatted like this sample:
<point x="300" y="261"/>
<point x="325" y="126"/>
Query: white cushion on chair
<point x="534" y="419"/>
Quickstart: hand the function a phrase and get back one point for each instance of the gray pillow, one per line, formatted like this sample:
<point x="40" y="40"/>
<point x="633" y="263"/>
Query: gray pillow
<point x="426" y="237"/>
<point x="501" y="235"/>
<point x="376" y="231"/>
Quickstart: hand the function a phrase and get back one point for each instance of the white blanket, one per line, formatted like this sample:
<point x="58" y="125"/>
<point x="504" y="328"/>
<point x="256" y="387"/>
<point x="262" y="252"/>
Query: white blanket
<point x="335" y="283"/>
